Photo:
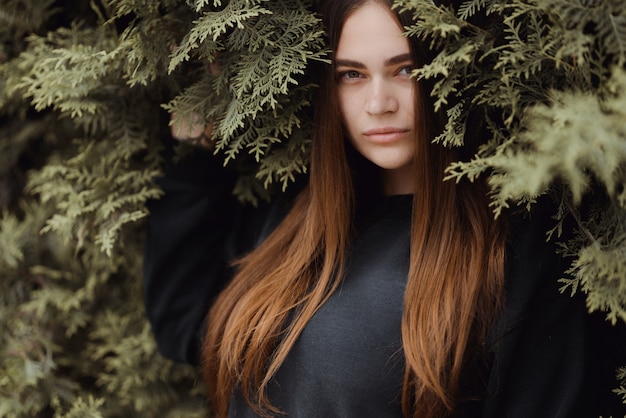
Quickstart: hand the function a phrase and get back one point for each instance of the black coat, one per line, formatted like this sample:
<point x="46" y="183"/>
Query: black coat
<point x="547" y="356"/>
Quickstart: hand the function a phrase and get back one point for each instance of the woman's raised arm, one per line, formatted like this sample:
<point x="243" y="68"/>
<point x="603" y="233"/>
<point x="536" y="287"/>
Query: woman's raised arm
<point x="194" y="230"/>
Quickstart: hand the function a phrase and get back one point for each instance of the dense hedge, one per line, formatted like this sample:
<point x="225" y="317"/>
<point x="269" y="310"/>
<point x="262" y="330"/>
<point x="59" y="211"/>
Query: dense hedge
<point x="85" y="92"/>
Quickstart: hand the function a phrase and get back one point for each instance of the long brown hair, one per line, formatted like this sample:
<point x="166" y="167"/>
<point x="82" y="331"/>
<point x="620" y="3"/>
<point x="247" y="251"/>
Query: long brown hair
<point x="455" y="274"/>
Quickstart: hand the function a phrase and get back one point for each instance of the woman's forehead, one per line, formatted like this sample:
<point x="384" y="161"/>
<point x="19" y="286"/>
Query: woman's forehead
<point x="371" y="31"/>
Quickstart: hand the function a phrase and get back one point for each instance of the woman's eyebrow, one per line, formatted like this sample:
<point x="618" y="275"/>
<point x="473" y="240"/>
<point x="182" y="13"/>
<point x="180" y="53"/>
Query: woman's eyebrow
<point x="349" y="63"/>
<point x="397" y="59"/>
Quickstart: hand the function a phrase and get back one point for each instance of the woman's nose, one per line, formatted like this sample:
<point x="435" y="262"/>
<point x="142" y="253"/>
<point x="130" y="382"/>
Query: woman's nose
<point x="381" y="99"/>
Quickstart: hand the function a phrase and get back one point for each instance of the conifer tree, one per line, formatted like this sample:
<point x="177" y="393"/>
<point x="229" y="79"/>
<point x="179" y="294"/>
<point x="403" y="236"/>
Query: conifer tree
<point x="86" y="93"/>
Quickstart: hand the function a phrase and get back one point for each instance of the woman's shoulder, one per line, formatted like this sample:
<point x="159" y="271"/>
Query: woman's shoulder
<point x="545" y="339"/>
<point x="533" y="263"/>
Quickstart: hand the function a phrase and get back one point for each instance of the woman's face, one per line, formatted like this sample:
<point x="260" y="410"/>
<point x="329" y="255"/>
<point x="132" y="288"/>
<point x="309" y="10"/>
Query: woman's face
<point x="376" y="94"/>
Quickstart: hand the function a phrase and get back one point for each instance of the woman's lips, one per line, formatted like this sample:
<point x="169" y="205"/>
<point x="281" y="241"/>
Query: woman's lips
<point x="385" y="134"/>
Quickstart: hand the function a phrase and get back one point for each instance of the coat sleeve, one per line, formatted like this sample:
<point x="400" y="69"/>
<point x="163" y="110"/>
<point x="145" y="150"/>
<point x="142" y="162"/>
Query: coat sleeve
<point x="551" y="358"/>
<point x="193" y="230"/>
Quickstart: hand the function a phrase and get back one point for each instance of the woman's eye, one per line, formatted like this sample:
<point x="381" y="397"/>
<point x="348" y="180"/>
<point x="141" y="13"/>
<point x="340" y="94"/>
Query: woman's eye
<point x="406" y="71"/>
<point x="350" y="75"/>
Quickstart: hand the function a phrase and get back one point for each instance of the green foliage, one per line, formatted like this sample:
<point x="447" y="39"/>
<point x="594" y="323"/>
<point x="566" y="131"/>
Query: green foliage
<point x="259" y="96"/>
<point x="544" y="83"/>
<point x="550" y="78"/>
<point x="73" y="338"/>
<point x="85" y="92"/>
<point x="81" y="123"/>
<point x="621" y="391"/>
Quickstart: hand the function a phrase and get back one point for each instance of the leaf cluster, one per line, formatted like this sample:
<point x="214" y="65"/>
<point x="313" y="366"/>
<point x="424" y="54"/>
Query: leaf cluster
<point x="537" y="88"/>
<point x="74" y="341"/>
<point x="80" y="132"/>
<point x="259" y="96"/>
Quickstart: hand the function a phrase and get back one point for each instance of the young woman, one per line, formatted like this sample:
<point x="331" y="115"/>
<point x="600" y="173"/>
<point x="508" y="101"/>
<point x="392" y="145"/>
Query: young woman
<point x="380" y="290"/>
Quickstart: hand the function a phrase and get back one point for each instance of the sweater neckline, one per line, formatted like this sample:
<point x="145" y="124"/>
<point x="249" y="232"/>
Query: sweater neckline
<point x="386" y="207"/>
<point x="398" y="206"/>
